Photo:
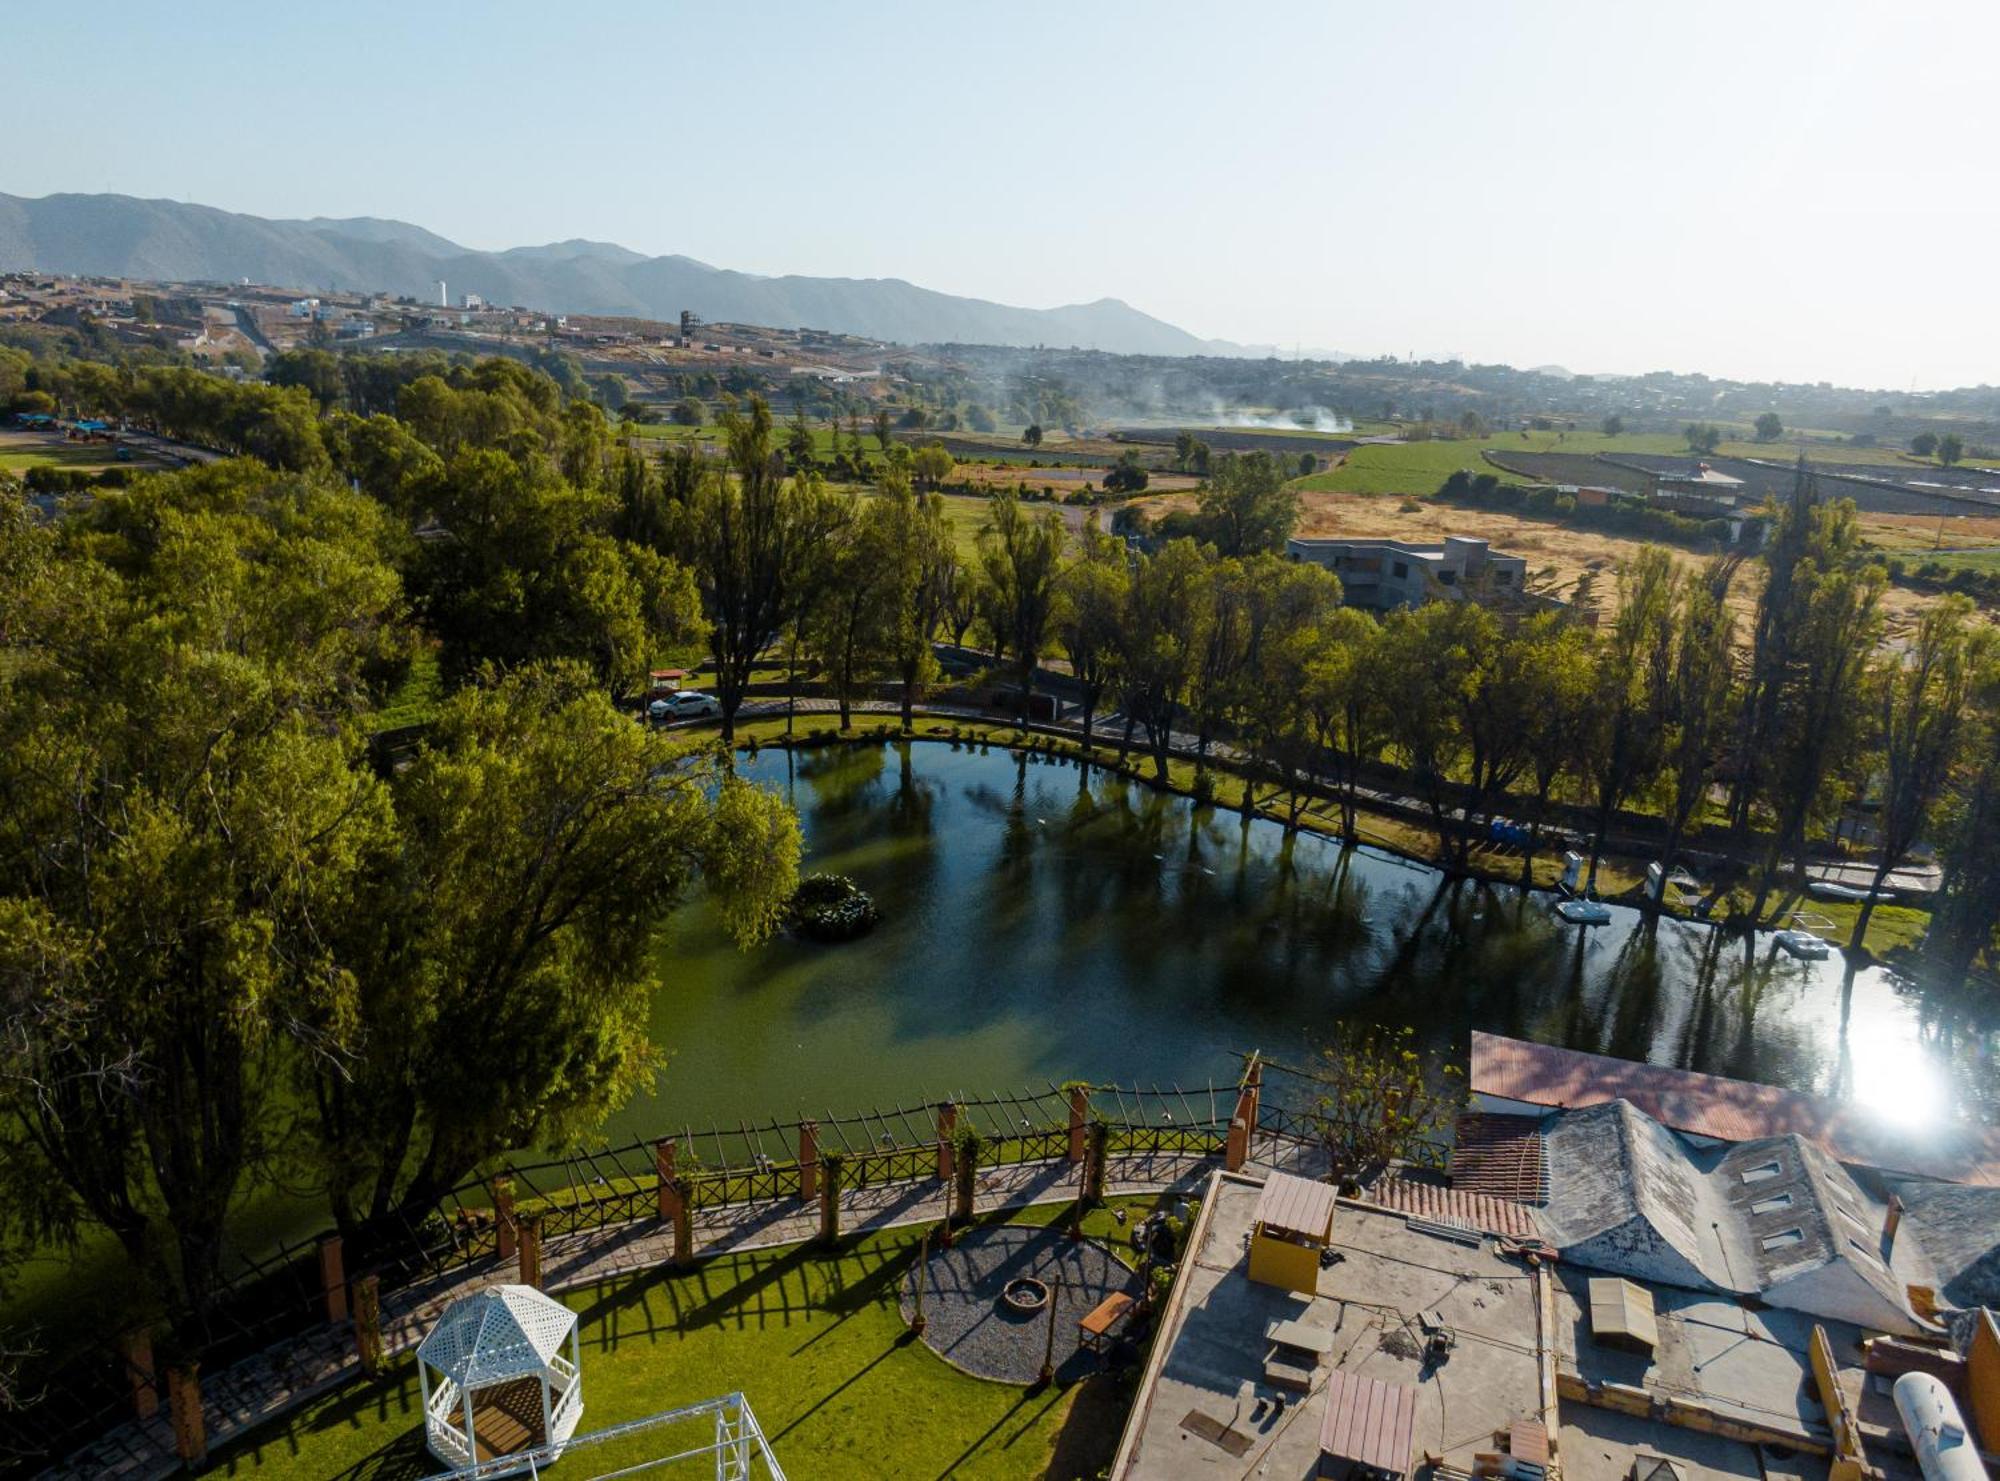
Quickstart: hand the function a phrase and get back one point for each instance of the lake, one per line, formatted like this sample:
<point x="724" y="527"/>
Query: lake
<point x="1046" y="921"/>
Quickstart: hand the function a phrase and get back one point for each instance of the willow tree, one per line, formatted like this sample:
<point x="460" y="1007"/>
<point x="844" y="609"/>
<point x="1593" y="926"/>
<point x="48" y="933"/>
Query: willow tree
<point x="917" y="544"/>
<point x="184" y="825"/>
<point x="1094" y="590"/>
<point x="1698" y="694"/>
<point x="1160" y="642"/>
<point x="1629" y="698"/>
<point x="1349" y="698"/>
<point x="1967" y="909"/>
<point x="504" y="951"/>
<point x="1020" y="557"/>
<point x="1822" y="707"/>
<point x="1924" y="699"/>
<point x="744" y="538"/>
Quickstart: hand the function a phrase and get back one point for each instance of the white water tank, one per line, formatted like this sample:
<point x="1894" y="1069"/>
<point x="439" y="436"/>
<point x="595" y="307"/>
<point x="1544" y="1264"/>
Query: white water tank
<point x="1945" y="1451"/>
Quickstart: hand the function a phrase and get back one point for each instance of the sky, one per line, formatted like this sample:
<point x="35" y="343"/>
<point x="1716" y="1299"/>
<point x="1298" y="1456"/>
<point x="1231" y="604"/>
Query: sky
<point x="1759" y="189"/>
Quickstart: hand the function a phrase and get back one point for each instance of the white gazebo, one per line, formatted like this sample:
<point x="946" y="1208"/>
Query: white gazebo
<point x="495" y="1379"/>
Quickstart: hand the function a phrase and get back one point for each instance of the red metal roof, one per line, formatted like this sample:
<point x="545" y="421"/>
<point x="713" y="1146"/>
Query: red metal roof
<point x="1296" y="1205"/>
<point x="1368" y="1421"/>
<point x="1729" y="1110"/>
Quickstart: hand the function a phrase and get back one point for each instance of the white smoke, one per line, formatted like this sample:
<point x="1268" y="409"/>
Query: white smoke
<point x="1306" y="418"/>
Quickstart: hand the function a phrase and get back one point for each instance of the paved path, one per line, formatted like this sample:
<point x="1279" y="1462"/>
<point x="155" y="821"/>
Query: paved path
<point x="259" y="1389"/>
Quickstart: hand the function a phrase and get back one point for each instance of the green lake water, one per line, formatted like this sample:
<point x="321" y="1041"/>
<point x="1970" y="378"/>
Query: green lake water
<point x="1046" y="921"/>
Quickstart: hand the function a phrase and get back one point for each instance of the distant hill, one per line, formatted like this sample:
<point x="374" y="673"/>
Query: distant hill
<point x="122" y="236"/>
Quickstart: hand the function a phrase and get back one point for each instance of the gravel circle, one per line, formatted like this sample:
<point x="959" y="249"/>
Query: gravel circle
<point x="969" y="1326"/>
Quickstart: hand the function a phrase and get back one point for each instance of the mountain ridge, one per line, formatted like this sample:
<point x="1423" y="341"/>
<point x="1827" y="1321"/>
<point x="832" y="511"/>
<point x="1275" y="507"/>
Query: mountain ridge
<point x="132" y="237"/>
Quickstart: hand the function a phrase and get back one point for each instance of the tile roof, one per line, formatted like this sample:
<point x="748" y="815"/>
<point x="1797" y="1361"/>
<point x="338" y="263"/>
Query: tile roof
<point x="1500" y="1156"/>
<point x="1427" y="1200"/>
<point x="1727" y="1110"/>
<point x="1369" y="1422"/>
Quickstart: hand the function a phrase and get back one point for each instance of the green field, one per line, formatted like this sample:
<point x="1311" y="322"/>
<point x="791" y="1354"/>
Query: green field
<point x="1983" y="561"/>
<point x="1419" y="467"/>
<point x="18" y="455"/>
<point x="816" y="1343"/>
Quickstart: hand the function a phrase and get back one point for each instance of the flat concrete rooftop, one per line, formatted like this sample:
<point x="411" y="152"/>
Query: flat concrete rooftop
<point x="1208" y="1365"/>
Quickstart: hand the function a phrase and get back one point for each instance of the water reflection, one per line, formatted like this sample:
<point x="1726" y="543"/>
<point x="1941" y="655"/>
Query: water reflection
<point x="1046" y="919"/>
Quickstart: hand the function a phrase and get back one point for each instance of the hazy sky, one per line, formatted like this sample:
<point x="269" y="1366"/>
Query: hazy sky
<point x="1796" y="191"/>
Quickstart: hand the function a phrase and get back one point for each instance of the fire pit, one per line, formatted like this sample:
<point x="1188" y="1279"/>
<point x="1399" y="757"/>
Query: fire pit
<point x="1024" y="1294"/>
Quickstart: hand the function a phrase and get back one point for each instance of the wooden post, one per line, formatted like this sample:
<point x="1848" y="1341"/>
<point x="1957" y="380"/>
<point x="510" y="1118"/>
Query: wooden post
<point x="808" y="1161"/>
<point x="664" y="1166"/>
<point x="506" y="1235"/>
<point x="332" y="1279"/>
<point x="1236" y="1150"/>
<point x="923" y="1269"/>
<point x="368" y="1323"/>
<point x="947" y="1124"/>
<point x="1049" y="1350"/>
<point x="829" y="1200"/>
<point x="1079" y="1119"/>
<point x="136" y="1348"/>
<point x="184" y="1404"/>
<point x="683" y="1225"/>
<point x="531" y="1250"/>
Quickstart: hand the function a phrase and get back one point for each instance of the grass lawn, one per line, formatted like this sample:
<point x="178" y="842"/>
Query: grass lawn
<point x="814" y="1341"/>
<point x="18" y="455"/>
<point x="415" y="700"/>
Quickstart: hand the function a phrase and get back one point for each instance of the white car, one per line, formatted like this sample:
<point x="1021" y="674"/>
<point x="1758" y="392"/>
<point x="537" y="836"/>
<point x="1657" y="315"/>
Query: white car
<point x="689" y="704"/>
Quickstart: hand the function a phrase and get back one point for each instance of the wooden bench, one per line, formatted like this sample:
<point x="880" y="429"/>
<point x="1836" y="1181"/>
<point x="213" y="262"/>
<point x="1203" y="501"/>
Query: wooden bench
<point x="1093" y="1331"/>
<point x="507" y="1418"/>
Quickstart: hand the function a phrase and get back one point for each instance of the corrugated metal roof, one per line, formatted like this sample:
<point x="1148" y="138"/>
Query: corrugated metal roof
<point x="1368" y="1422"/>
<point x="1728" y="1110"/>
<point x="1296" y="1205"/>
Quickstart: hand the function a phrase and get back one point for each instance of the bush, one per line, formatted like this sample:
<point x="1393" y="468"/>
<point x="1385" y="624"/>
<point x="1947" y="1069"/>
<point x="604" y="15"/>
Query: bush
<point x="45" y="478"/>
<point x="832" y="907"/>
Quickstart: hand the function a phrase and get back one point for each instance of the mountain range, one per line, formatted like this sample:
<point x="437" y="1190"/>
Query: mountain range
<point x="126" y="237"/>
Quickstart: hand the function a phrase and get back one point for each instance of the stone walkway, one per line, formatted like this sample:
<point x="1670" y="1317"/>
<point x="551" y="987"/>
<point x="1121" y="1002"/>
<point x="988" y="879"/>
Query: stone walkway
<point x="250" y="1393"/>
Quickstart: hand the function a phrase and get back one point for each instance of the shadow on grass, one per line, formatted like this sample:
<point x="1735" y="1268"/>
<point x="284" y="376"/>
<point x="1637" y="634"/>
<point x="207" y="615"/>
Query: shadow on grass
<point x="750" y="1288"/>
<point x="377" y="1402"/>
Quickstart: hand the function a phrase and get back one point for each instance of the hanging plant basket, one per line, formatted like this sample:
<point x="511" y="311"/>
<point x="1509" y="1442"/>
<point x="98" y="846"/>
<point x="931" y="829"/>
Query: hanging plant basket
<point x="832" y="907"/>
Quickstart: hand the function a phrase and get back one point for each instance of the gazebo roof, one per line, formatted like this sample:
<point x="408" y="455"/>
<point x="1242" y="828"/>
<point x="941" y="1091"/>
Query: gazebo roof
<point x="496" y="1334"/>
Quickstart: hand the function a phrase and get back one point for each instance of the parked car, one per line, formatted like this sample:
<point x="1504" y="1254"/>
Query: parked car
<point x="689" y="704"/>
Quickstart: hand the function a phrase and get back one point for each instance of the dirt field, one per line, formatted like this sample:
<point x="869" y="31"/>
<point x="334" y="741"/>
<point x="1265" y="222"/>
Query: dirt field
<point x="1917" y="533"/>
<point x="1566" y="554"/>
